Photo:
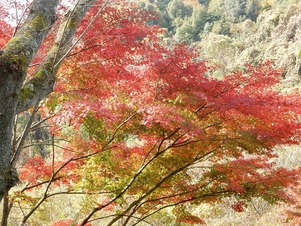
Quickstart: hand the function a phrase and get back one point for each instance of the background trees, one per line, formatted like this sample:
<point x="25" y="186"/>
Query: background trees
<point x="236" y="11"/>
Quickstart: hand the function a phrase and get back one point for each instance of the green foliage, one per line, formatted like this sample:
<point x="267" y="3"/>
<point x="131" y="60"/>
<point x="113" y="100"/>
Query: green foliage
<point x="176" y="8"/>
<point x="221" y="27"/>
<point x="191" y="28"/>
<point x="201" y="17"/>
<point x="162" y="4"/>
<point x="95" y="128"/>
<point x="204" y="2"/>
<point x="236" y="10"/>
<point x="186" y="32"/>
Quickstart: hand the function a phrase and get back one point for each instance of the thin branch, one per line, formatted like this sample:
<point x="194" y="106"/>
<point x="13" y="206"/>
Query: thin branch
<point x="37" y="125"/>
<point x="139" y="171"/>
<point x="82" y="34"/>
<point x="24" y="135"/>
<point x="14" y="139"/>
<point x="143" y="196"/>
<point x="27" y="187"/>
<point x="113" y="215"/>
<point x="168" y="176"/>
<point x="18" y="21"/>
<point x="55" y="172"/>
<point x="120" y="125"/>
<point x="183" y="201"/>
<point x="171" y="196"/>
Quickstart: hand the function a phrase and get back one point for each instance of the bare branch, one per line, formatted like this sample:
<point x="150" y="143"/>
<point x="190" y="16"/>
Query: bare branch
<point x="24" y="135"/>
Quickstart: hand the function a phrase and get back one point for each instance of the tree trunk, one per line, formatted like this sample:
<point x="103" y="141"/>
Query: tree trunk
<point x="15" y="58"/>
<point x="5" y="212"/>
<point x="8" y="98"/>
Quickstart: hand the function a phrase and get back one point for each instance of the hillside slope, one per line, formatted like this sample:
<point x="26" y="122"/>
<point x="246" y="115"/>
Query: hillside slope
<point x="237" y="32"/>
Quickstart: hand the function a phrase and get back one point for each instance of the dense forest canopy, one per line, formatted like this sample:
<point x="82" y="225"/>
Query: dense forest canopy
<point x="149" y="112"/>
<point x="233" y="33"/>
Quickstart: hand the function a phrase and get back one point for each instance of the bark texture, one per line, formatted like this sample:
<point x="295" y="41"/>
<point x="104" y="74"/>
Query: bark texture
<point x="15" y="59"/>
<point x="42" y="83"/>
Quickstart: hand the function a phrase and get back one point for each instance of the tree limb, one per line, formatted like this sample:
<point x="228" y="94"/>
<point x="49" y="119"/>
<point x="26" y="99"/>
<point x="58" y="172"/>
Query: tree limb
<point x="43" y="81"/>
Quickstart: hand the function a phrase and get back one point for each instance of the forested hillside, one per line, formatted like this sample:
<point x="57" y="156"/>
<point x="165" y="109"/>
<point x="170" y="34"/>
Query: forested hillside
<point x="236" y="32"/>
<point x="150" y="112"/>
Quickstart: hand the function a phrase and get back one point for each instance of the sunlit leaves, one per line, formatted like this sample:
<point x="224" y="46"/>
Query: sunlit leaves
<point x="36" y="169"/>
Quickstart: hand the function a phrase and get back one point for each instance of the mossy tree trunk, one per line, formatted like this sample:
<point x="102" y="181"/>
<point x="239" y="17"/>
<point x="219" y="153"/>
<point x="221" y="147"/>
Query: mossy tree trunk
<point x="15" y="58"/>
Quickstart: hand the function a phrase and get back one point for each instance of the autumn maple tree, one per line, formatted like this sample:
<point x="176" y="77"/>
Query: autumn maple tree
<point x="134" y="122"/>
